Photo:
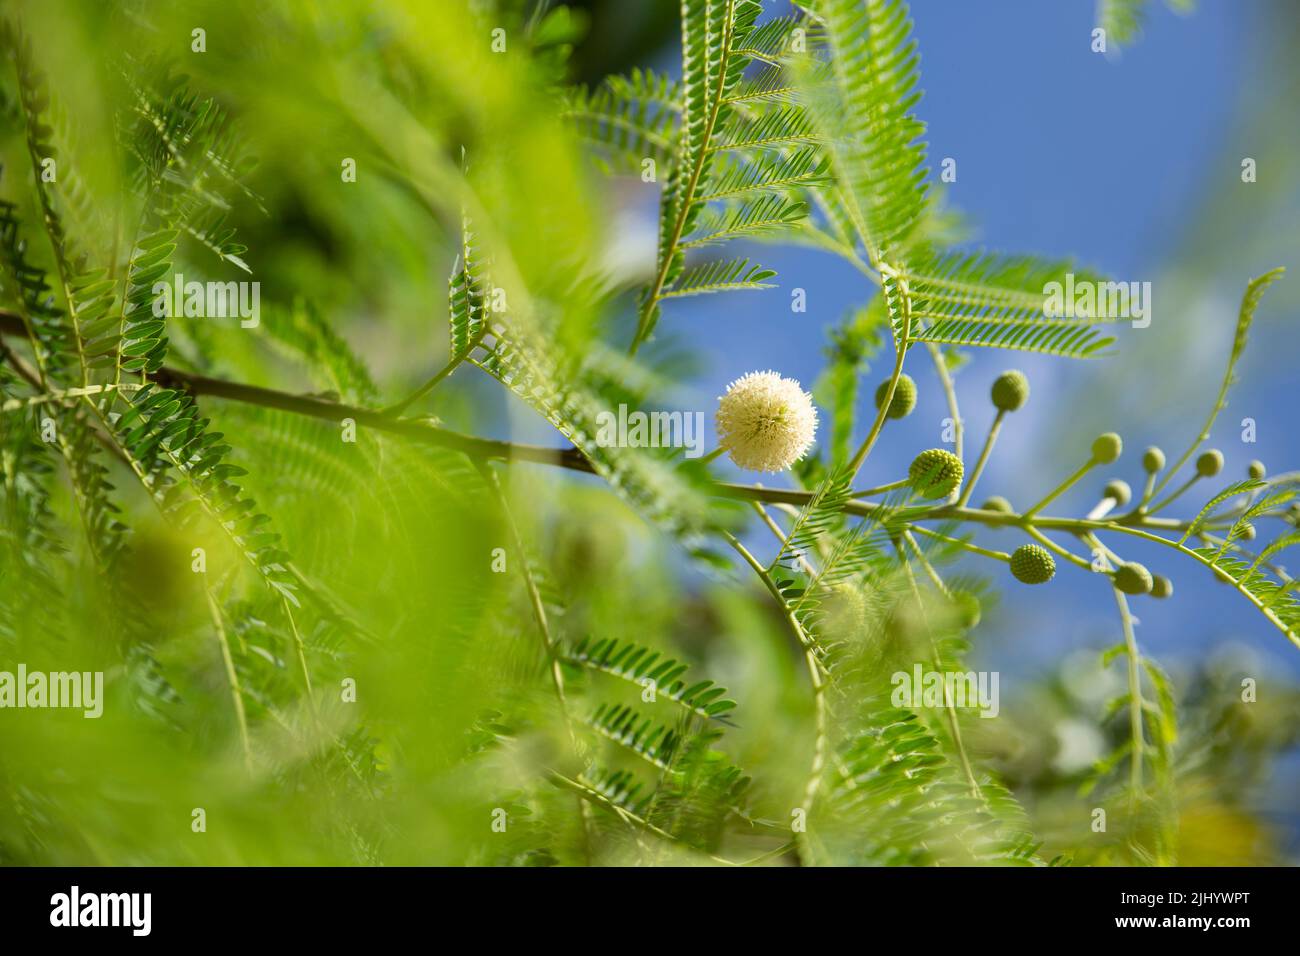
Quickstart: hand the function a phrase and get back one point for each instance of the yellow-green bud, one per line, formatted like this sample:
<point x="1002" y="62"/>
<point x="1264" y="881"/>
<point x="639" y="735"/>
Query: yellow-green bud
<point x="935" y="473"/>
<point x="1031" y="564"/>
<point x="1133" y="578"/>
<point x="1247" y="531"/>
<point x="1107" y="448"/>
<point x="1210" y="463"/>
<point x="1256" y="470"/>
<point x="904" y="399"/>
<point x="1119" y="490"/>
<point x="998" y="503"/>
<point x="1010" y="391"/>
<point x="1153" y="459"/>
<point x="1161" y="587"/>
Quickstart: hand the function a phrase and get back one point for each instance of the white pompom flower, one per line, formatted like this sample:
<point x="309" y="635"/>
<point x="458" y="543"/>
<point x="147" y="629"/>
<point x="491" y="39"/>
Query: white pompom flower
<point x="766" y="422"/>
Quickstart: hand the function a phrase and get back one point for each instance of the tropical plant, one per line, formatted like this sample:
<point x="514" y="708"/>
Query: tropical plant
<point x="338" y="626"/>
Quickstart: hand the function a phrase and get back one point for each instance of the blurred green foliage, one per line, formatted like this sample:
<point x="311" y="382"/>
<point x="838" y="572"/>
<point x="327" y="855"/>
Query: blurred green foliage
<point x="377" y="684"/>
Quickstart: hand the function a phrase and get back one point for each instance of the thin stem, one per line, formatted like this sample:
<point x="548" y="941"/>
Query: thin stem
<point x="984" y="457"/>
<point x="1148" y="492"/>
<point x="300" y="648"/>
<point x="594" y="796"/>
<point x="63" y="395"/>
<point x="1051" y="545"/>
<point x="1134" y="697"/>
<point x="780" y="851"/>
<point x="931" y="573"/>
<point x="1220" y="400"/>
<point x="232" y="677"/>
<point x="1172" y="496"/>
<point x="953" y="727"/>
<point x="1261" y="606"/>
<point x="452" y="364"/>
<point x="126" y="274"/>
<point x="1096" y="543"/>
<point x="535" y="602"/>
<point x="855" y="465"/>
<point x="28" y="374"/>
<point x="549" y="645"/>
<point x="881" y="489"/>
<point x="780" y="536"/>
<point x="869" y="442"/>
<point x="1061" y="489"/>
<point x="950" y="393"/>
<point x="1102" y="508"/>
<point x="973" y="548"/>
<point x="820" y="716"/>
<point x="35" y="378"/>
<point x="900" y="350"/>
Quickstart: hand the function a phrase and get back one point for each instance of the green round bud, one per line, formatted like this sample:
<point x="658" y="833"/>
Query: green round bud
<point x="935" y="473"/>
<point x="1210" y="463"/>
<point x="1247" y="531"/>
<point x="1119" y="490"/>
<point x="1010" y="391"/>
<point x="1133" y="578"/>
<point x="1153" y="459"/>
<point x="904" y="399"/>
<point x="1107" y="448"/>
<point x="1161" y="587"/>
<point x="1031" y="564"/>
<point x="1256" y="470"/>
<point x="998" y="503"/>
<point x="966" y="609"/>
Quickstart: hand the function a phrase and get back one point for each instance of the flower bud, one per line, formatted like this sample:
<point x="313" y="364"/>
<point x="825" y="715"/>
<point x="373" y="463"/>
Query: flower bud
<point x="766" y="422"/>
<point x="935" y="473"/>
<point x="1031" y="564"/>
<point x="1161" y="586"/>
<point x="1153" y="459"/>
<point x="1010" y="391"/>
<point x="998" y="503"/>
<point x="1119" y="491"/>
<point x="1210" y="463"/>
<point x="904" y="399"/>
<point x="1107" y="448"/>
<point x="1256" y="470"/>
<point x="1133" y="578"/>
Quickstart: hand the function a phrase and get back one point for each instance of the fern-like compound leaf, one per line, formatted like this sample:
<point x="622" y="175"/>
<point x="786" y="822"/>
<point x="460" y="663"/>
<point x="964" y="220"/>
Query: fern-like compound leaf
<point x="865" y="116"/>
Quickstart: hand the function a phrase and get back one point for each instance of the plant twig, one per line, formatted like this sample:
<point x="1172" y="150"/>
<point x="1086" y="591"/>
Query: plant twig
<point x="953" y="727"/>
<point x="983" y="458"/>
<point x="1138" y="745"/>
<point x="820" y="744"/>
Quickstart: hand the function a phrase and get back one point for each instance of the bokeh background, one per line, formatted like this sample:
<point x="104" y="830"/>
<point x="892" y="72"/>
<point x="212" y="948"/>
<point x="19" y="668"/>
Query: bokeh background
<point x="1129" y="162"/>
